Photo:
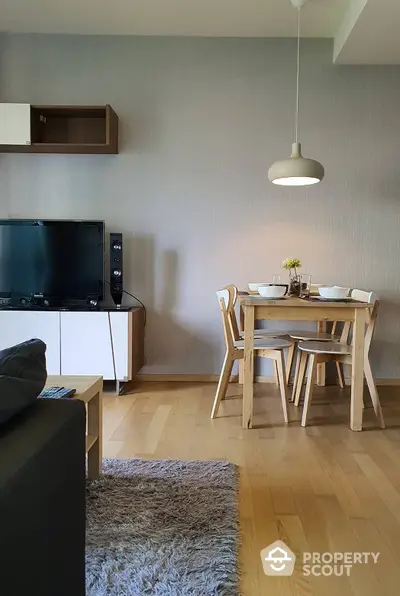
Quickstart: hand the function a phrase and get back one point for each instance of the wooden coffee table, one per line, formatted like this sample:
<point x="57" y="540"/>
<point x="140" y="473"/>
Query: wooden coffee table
<point x="89" y="390"/>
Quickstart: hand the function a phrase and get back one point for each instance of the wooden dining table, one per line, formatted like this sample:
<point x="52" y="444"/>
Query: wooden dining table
<point x="255" y="308"/>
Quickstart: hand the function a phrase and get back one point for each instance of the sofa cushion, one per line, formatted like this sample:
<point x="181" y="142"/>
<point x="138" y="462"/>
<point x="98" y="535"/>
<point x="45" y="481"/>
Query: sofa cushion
<point x="22" y="376"/>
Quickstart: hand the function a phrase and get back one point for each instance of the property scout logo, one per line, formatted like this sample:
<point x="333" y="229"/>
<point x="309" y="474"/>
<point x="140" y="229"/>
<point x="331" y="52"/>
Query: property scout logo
<point x="278" y="559"/>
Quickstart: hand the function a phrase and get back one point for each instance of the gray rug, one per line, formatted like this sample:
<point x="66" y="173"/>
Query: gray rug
<point x="163" y="528"/>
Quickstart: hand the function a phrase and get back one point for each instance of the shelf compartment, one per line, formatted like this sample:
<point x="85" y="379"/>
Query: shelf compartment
<point x="70" y="129"/>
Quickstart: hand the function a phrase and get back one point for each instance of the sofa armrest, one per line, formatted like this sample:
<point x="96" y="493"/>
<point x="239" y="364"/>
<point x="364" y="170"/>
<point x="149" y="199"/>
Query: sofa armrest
<point x="42" y="500"/>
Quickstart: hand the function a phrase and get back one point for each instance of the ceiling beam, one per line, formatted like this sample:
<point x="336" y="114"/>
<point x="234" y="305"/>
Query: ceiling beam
<point x="349" y="21"/>
<point x="369" y="34"/>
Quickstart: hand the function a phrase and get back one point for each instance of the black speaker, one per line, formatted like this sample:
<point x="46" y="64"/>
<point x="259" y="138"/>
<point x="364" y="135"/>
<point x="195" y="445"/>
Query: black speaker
<point x="92" y="302"/>
<point x="116" y="268"/>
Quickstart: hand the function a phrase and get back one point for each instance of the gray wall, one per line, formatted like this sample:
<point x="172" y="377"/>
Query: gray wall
<point x="201" y="120"/>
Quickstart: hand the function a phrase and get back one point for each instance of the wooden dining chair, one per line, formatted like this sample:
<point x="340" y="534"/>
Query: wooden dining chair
<point x="305" y="335"/>
<point x="267" y="347"/>
<point x="316" y="352"/>
<point x="260" y="333"/>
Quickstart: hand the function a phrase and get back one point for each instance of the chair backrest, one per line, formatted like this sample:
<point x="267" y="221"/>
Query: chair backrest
<point x="360" y="296"/>
<point x="370" y="298"/>
<point x="344" y="336"/>
<point x="226" y="298"/>
<point x="225" y="295"/>
<point x="232" y="314"/>
<point x="229" y="295"/>
<point x="363" y="296"/>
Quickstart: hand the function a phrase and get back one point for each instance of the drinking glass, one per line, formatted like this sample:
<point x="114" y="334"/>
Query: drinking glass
<point x="305" y="285"/>
<point x="276" y="280"/>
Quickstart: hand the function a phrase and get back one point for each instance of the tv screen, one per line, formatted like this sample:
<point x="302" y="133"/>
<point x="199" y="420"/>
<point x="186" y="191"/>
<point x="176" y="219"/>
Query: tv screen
<point x="57" y="259"/>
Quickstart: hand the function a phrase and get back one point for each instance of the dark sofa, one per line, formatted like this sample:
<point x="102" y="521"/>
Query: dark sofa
<point x="42" y="500"/>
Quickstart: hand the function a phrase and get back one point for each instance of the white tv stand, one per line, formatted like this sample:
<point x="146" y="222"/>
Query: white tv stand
<point x="106" y="342"/>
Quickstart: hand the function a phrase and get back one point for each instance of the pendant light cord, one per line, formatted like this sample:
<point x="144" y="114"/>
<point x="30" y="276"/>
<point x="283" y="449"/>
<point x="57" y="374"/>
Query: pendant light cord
<point x="296" y="125"/>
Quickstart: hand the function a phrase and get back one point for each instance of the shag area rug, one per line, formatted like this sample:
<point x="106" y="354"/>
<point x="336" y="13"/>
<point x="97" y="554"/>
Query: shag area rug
<point x="163" y="528"/>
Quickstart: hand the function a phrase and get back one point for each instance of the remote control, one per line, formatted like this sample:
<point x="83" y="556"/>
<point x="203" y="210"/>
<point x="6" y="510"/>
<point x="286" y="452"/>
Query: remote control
<point x="57" y="392"/>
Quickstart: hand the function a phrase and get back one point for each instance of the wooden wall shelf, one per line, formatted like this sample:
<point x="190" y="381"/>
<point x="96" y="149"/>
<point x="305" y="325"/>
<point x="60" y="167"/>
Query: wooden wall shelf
<point x="58" y="129"/>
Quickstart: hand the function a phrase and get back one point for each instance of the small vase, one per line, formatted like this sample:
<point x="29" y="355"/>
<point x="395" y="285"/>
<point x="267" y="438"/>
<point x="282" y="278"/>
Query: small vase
<point x="294" y="285"/>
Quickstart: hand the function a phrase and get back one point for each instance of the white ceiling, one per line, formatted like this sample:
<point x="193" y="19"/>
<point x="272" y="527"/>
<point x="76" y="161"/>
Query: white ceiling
<point x="226" y="18"/>
<point x="365" y="31"/>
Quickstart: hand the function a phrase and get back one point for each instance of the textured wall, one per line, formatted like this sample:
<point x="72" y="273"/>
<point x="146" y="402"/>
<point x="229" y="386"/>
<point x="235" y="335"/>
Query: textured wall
<point x="201" y="120"/>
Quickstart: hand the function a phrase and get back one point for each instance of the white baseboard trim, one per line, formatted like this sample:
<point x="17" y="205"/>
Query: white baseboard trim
<point x="203" y="378"/>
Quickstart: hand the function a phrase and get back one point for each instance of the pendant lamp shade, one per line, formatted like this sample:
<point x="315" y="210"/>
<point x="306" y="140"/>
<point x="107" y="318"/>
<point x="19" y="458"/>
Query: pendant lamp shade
<point x="296" y="170"/>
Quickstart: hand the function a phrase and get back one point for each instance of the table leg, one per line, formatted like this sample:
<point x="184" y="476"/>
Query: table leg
<point x="241" y="372"/>
<point x="247" y="421"/>
<point x="241" y="317"/>
<point x="95" y="423"/>
<point x="321" y="368"/>
<point x="241" y="362"/>
<point x="357" y="370"/>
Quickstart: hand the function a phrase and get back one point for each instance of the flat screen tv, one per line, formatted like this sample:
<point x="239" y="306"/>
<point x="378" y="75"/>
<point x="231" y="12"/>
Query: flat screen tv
<point x="57" y="259"/>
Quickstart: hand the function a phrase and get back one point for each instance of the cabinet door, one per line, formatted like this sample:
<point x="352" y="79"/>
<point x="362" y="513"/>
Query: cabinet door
<point x="86" y="347"/>
<point x="17" y="326"/>
<point x="120" y="338"/>
<point x="15" y="124"/>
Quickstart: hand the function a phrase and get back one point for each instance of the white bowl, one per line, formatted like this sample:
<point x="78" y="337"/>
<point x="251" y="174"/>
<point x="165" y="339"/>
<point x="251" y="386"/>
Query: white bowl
<point x="272" y="291"/>
<point x="253" y="286"/>
<point x="335" y="292"/>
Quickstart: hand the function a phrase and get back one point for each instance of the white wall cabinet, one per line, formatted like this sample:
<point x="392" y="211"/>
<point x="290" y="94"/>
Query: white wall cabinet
<point x="103" y="343"/>
<point x="17" y="326"/>
<point x="15" y="124"/>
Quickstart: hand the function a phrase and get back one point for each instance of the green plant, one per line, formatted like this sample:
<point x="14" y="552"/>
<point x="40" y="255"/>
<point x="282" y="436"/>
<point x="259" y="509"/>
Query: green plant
<point x="291" y="263"/>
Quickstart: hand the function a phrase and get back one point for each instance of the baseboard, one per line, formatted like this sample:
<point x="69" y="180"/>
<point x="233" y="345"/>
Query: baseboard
<point x="381" y="382"/>
<point x="263" y="379"/>
<point x="189" y="378"/>
<point x="184" y="378"/>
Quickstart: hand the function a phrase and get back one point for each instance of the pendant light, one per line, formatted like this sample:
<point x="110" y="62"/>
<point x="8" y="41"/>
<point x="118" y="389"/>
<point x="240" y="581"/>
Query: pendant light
<point x="296" y="170"/>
